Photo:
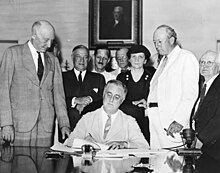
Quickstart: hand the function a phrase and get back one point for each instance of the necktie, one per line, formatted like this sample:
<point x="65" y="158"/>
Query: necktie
<point x="107" y="126"/>
<point x="201" y="98"/>
<point x="80" y="78"/>
<point x="40" y="68"/>
<point x="202" y="95"/>
<point x="163" y="64"/>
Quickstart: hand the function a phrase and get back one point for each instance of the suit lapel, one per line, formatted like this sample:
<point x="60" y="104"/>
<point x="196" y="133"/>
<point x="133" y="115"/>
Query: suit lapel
<point x="211" y="94"/>
<point x="29" y="64"/>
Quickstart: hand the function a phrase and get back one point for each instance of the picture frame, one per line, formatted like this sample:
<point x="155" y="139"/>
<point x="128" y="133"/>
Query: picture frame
<point x="102" y="31"/>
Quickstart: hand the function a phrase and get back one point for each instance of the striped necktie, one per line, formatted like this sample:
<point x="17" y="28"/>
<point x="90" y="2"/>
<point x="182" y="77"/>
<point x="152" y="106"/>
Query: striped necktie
<point x="107" y="126"/>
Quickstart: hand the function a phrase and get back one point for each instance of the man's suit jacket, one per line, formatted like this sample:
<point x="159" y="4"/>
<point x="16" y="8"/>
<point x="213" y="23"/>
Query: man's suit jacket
<point x="124" y="128"/>
<point x="92" y="85"/>
<point x="23" y="98"/>
<point x="207" y="120"/>
<point x="177" y="88"/>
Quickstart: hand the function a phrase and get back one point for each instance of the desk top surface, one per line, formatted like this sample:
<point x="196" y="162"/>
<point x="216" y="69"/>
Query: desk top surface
<point x="32" y="159"/>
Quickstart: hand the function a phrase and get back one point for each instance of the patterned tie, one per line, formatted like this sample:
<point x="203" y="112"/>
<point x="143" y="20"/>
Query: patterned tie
<point x="40" y="69"/>
<point x="163" y="64"/>
<point x="107" y="126"/>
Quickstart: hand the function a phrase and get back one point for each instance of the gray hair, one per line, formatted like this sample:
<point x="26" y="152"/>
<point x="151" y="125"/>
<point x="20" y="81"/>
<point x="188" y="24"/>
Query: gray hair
<point x="215" y="55"/>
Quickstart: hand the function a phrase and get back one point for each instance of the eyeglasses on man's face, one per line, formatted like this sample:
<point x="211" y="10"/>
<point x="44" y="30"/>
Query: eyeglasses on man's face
<point x="207" y="63"/>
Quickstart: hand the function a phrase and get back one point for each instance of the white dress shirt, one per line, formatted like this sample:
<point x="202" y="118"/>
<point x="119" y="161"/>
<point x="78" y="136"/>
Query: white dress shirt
<point x="35" y="55"/>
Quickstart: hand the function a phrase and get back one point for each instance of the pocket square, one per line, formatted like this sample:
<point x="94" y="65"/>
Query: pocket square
<point x="95" y="89"/>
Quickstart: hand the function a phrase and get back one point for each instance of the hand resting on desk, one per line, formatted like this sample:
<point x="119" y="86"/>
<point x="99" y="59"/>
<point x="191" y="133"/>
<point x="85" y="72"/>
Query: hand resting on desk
<point x="117" y="145"/>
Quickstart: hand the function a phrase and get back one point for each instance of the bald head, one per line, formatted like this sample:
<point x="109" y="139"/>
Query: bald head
<point x="43" y="34"/>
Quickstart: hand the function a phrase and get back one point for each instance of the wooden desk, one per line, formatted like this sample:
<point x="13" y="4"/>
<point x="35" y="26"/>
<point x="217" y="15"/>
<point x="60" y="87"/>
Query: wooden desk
<point x="32" y="159"/>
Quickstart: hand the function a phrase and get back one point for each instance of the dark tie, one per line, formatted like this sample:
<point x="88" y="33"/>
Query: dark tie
<point x="80" y="78"/>
<point x="107" y="126"/>
<point x="202" y="95"/>
<point x="201" y="98"/>
<point x="40" y="68"/>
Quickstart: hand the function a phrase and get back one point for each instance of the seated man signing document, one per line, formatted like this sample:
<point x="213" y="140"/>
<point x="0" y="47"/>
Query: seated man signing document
<point x="109" y="125"/>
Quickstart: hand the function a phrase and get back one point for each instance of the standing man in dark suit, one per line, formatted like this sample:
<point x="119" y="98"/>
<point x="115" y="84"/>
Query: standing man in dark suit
<point x="206" y="118"/>
<point x="83" y="89"/>
<point x="31" y="91"/>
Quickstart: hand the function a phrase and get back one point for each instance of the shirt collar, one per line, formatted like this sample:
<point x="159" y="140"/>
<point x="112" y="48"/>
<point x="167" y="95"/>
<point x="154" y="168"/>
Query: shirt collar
<point x="32" y="48"/>
<point x="209" y="82"/>
<point x="105" y="115"/>
<point x="77" y="73"/>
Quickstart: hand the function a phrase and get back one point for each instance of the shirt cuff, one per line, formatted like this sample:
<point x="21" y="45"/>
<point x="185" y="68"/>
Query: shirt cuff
<point x="91" y="100"/>
<point x="73" y="104"/>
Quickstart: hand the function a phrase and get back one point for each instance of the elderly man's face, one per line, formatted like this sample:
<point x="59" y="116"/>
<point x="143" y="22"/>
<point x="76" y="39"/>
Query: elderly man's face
<point x="112" y="98"/>
<point x="162" y="43"/>
<point x="101" y="59"/>
<point x="121" y="58"/>
<point x="207" y="66"/>
<point x="43" y="38"/>
<point x="80" y="59"/>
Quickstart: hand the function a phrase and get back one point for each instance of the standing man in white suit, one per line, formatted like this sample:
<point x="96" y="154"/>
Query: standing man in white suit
<point x="173" y="90"/>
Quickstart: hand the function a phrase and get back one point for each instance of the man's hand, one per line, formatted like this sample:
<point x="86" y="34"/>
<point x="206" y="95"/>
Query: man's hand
<point x="7" y="153"/>
<point x="80" y="107"/>
<point x="83" y="100"/>
<point x="8" y="133"/>
<point x="140" y="103"/>
<point x="117" y="145"/>
<point x="174" y="127"/>
<point x="65" y="131"/>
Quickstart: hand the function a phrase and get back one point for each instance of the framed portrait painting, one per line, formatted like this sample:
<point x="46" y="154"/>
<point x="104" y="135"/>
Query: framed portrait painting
<point x="115" y="23"/>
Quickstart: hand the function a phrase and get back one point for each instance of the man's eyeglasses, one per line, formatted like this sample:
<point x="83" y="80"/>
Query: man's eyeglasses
<point x="207" y="63"/>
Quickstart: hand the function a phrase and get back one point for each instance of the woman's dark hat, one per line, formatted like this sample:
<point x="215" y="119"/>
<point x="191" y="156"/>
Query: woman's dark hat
<point x="139" y="49"/>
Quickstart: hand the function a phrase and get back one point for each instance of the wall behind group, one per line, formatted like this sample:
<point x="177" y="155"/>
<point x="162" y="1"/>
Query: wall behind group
<point x="196" y="22"/>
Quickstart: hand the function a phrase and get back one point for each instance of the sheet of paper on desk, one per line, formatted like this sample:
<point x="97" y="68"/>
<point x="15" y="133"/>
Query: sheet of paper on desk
<point x="60" y="147"/>
<point x="78" y="143"/>
<point x="128" y="153"/>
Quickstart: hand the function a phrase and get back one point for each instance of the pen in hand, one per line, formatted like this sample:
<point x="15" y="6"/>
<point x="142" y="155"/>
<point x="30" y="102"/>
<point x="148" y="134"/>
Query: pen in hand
<point x="91" y="138"/>
<point x="169" y="133"/>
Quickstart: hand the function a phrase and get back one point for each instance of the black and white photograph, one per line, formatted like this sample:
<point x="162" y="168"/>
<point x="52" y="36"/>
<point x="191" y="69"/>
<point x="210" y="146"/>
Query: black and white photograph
<point x="109" y="86"/>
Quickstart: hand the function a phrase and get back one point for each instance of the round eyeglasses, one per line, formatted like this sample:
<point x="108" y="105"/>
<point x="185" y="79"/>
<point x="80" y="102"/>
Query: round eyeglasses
<point x="207" y="63"/>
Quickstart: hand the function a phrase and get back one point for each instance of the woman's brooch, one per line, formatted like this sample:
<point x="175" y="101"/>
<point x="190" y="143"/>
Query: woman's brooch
<point x="127" y="77"/>
<point x="146" y="77"/>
